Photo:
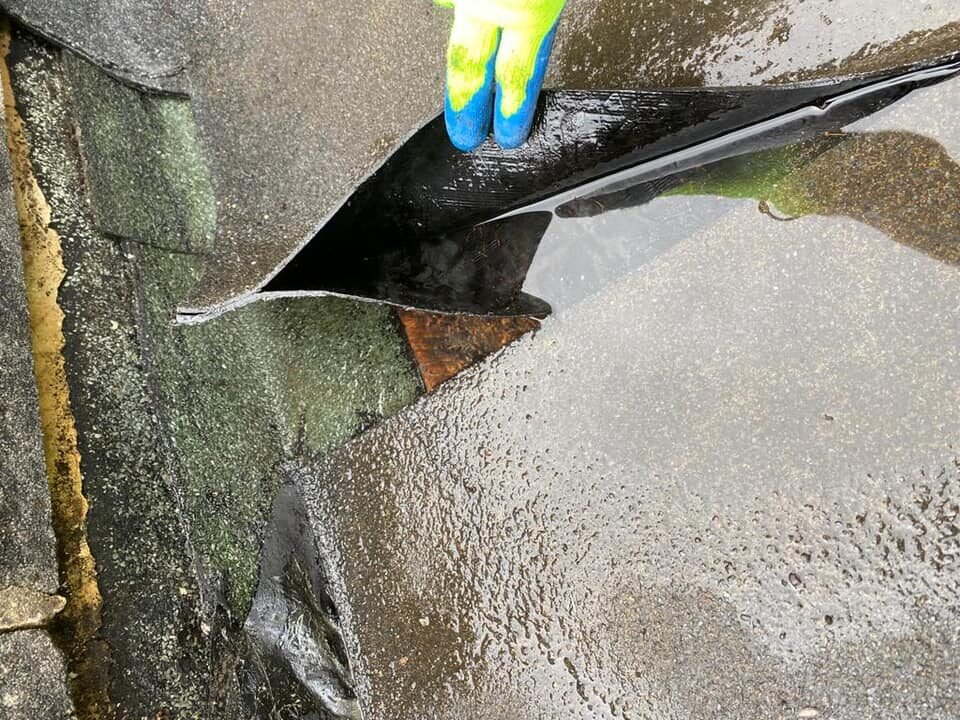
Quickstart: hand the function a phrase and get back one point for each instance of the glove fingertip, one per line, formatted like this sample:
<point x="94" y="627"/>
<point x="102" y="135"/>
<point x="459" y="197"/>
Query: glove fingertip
<point x="512" y="131"/>
<point x="470" y="126"/>
<point x="467" y="132"/>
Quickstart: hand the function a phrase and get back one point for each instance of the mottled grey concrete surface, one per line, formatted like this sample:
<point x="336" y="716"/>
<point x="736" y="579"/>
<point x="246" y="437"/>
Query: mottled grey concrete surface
<point x="31" y="678"/>
<point x="725" y="485"/>
<point x="27" y="545"/>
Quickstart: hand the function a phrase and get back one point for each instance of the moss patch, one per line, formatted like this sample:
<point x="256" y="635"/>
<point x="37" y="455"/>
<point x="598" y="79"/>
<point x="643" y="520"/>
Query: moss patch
<point x="766" y="176"/>
<point x="239" y="397"/>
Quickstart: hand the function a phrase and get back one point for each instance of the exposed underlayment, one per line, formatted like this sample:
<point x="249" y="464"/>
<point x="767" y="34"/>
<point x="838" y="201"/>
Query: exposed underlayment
<point x="44" y="272"/>
<point x="437" y="228"/>
<point x="446" y="345"/>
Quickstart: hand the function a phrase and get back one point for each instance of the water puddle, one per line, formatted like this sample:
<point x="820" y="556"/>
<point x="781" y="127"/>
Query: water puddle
<point x="903" y="184"/>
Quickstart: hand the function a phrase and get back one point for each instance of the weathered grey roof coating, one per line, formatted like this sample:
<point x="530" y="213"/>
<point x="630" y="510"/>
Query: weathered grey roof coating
<point x="297" y="102"/>
<point x="145" y="42"/>
<point x="27" y="545"/>
<point x="32" y="678"/>
<point x="727" y="485"/>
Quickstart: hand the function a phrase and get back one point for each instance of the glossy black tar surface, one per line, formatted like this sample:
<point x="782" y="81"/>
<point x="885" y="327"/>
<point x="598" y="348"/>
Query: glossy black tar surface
<point x="416" y="233"/>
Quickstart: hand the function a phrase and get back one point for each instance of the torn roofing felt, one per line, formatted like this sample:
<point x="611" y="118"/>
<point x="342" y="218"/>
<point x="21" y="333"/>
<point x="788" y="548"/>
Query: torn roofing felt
<point x="727" y="479"/>
<point x="297" y="103"/>
<point x="445" y="231"/>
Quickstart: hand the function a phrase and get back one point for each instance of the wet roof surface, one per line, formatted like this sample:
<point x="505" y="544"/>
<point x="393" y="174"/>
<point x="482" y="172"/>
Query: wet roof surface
<point x="141" y="41"/>
<point x="723" y="478"/>
<point x="722" y="481"/>
<point x="299" y="102"/>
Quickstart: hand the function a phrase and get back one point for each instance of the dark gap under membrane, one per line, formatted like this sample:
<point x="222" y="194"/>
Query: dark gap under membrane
<point x="439" y="230"/>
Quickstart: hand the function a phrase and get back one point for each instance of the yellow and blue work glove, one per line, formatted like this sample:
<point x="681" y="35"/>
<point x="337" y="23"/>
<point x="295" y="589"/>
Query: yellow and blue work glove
<point x="496" y="62"/>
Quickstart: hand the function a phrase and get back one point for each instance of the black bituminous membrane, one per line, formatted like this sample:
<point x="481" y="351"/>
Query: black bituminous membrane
<point x="418" y="233"/>
<point x="296" y="646"/>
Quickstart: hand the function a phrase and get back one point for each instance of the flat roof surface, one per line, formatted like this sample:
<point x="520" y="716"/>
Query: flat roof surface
<point x="723" y="482"/>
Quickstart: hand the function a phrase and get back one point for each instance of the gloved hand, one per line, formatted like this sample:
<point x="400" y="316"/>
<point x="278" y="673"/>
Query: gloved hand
<point x="503" y="41"/>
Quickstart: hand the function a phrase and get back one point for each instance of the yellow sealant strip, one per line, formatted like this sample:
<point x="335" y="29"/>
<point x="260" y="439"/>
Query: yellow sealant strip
<point x="44" y="271"/>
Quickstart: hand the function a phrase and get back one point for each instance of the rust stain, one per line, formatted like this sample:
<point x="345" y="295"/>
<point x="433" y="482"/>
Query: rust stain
<point x="44" y="271"/>
<point x="446" y="345"/>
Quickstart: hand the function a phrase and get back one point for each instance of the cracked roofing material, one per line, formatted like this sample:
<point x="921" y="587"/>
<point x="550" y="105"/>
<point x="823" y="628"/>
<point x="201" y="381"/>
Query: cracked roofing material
<point x="634" y="373"/>
<point x="724" y="484"/>
<point x="298" y="102"/>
